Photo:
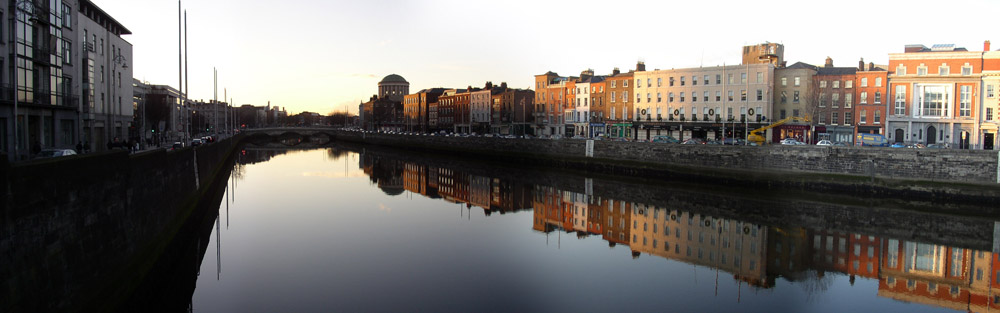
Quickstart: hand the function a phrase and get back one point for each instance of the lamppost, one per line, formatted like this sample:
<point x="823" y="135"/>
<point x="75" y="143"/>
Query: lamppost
<point x="118" y="59"/>
<point x="22" y="8"/>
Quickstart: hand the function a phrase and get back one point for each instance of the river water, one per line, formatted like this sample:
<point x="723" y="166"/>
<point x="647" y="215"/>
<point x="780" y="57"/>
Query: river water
<point x="355" y="229"/>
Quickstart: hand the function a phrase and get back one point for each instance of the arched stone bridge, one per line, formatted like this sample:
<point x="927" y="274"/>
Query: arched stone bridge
<point x="290" y="136"/>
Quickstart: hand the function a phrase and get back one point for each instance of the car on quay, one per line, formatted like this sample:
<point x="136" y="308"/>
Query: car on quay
<point x="791" y="142"/>
<point x="694" y="141"/>
<point x="53" y="153"/>
<point x="196" y="142"/>
<point x="824" y="143"/>
<point x="897" y="145"/>
<point x="665" y="139"/>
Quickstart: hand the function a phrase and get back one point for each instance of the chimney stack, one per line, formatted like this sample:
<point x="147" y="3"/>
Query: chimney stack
<point x="616" y="71"/>
<point x="986" y="46"/>
<point x="861" y="64"/>
<point x="640" y="66"/>
<point x="829" y="62"/>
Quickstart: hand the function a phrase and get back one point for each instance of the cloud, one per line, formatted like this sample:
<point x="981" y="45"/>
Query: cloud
<point x="384" y="43"/>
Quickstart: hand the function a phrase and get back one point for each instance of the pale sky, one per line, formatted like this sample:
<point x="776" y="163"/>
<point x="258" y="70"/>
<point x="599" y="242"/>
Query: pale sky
<point x="325" y="56"/>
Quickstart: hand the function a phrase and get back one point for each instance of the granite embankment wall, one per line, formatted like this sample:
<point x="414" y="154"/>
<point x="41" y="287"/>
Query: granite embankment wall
<point x="851" y="169"/>
<point x="78" y="232"/>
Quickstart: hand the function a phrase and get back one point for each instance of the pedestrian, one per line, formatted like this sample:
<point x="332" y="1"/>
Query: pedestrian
<point x="110" y="145"/>
<point x="79" y="147"/>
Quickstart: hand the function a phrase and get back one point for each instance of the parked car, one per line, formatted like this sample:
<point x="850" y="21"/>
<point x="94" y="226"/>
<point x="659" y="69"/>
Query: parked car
<point x="52" y="153"/>
<point x="734" y="142"/>
<point x="665" y="139"/>
<point x="177" y="145"/>
<point x="898" y="145"/>
<point x="791" y="142"/>
<point x="937" y="146"/>
<point x="196" y="142"/>
<point x="824" y="143"/>
<point x="694" y="141"/>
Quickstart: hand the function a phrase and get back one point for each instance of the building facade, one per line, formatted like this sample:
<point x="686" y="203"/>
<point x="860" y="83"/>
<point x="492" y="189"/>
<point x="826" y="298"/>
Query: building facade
<point x="706" y="102"/>
<point x="105" y="61"/>
<point x="834" y="105"/>
<point x="933" y="96"/>
<point x="793" y="97"/>
<point x="870" y="91"/>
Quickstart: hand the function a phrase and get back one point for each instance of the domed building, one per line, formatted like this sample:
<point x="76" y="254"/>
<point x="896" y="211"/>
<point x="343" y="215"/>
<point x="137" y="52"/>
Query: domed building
<point x="393" y="87"/>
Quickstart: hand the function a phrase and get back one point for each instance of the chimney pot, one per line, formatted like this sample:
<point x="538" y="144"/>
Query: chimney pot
<point x="986" y="46"/>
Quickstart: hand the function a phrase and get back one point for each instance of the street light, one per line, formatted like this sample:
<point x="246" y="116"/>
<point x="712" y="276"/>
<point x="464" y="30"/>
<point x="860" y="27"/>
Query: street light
<point x="117" y="60"/>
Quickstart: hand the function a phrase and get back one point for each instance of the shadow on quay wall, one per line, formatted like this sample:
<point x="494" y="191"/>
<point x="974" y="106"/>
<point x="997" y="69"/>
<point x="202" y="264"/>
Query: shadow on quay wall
<point x="81" y="233"/>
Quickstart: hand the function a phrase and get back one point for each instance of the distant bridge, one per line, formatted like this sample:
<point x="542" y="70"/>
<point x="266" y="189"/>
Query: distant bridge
<point x="291" y="136"/>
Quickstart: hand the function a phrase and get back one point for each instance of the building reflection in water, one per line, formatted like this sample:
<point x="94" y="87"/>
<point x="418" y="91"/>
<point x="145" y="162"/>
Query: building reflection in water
<point x="752" y="253"/>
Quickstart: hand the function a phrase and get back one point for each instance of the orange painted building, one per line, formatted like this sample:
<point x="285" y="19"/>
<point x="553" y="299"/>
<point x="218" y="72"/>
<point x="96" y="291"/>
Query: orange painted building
<point x="870" y="94"/>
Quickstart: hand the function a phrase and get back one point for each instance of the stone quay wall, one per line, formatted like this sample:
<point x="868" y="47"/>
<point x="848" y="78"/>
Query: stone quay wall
<point x="77" y="227"/>
<point x="861" y="170"/>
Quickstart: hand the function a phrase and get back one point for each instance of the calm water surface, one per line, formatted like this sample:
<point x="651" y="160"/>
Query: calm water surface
<point x="331" y="230"/>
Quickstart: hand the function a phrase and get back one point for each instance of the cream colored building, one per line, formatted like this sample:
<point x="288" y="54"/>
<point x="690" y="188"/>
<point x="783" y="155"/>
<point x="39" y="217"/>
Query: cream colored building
<point x="990" y="97"/>
<point x="704" y="102"/>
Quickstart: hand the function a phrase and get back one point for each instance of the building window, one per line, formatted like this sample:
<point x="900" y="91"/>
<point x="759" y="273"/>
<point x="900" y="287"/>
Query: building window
<point x="649" y="82"/>
<point x="877" y="118"/>
<point x="795" y="112"/>
<point x="784" y="96"/>
<point x="730" y="94"/>
<point x="743" y="78"/>
<point x="989" y="91"/>
<point x="705" y="96"/>
<point x="822" y="84"/>
<point x="900" y="107"/>
<point x="965" y="101"/>
<point x="989" y="114"/>
<point x="944" y="70"/>
<point x="848" y="118"/>
<point x="760" y="95"/>
<point x="863" y="117"/>
<point x="783" y="114"/>
<point x="659" y="81"/>
<point x="864" y="82"/>
<point x="835" y="99"/>
<point x="900" y="70"/>
<point x="822" y="119"/>
<point x="934" y="100"/>
<point x="822" y="100"/>
<point x="670" y="97"/>
<point x="864" y="98"/>
<point x="921" y="70"/>
<point x="743" y="95"/>
<point x="694" y="80"/>
<point x="706" y="79"/>
<point x="848" y="84"/>
<point x="671" y="82"/>
<point x="878" y="81"/>
<point x="836" y="84"/>
<point x="658" y="97"/>
<point x="625" y="97"/>
<point x="613" y="97"/>
<point x="848" y="100"/>
<point x="729" y="79"/>
<point x="878" y="97"/>
<point x="614" y="84"/>
<point x="834" y="117"/>
<point x="682" y="94"/>
<point x="966" y="70"/>
<point x="625" y="83"/>
<point x="718" y="96"/>
<point x="795" y="98"/>
<point x="683" y="79"/>
<point x="760" y="77"/>
<point x="718" y="79"/>
<point x="798" y="81"/>
<point x="784" y="81"/>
